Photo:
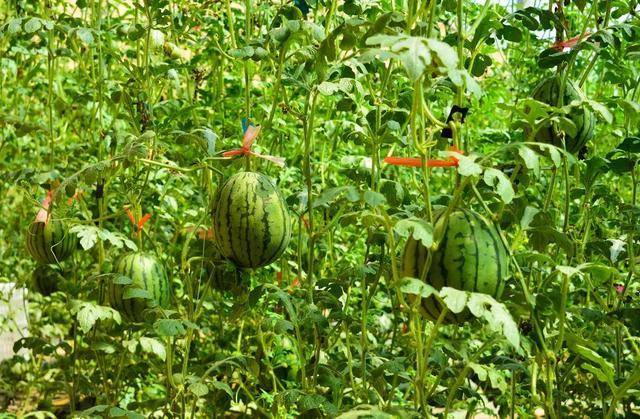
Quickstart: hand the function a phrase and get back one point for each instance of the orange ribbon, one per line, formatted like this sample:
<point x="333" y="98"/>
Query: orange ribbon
<point x="140" y="223"/>
<point x="452" y="161"/>
<point x="249" y="138"/>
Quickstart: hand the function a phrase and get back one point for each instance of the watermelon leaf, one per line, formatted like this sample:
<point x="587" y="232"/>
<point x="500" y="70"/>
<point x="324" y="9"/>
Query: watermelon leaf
<point x="416" y="287"/>
<point x="455" y="300"/>
<point x="153" y="346"/>
<point x="169" y="327"/>
<point x="199" y="389"/>
<point x="135" y="292"/>
<point x="420" y="229"/>
<point x="530" y="159"/>
<point x="502" y="184"/>
<point x="467" y="165"/>
<point x="485" y="307"/>
<point x="89" y="313"/>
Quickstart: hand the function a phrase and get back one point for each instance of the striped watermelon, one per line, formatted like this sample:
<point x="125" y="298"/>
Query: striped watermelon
<point x="251" y="221"/>
<point x="471" y="257"/>
<point x="548" y="91"/>
<point x="147" y="274"/>
<point x="45" y="279"/>
<point x="50" y="242"/>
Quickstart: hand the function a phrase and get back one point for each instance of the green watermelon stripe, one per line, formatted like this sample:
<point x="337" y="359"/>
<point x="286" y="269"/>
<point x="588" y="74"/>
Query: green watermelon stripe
<point x="227" y="194"/>
<point x="497" y="245"/>
<point x="444" y="273"/>
<point x="248" y="216"/>
<point x="476" y="253"/>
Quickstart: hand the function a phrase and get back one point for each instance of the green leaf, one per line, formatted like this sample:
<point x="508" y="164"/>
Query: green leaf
<point x="530" y="159"/>
<point x="630" y="145"/>
<point x="467" y="165"/>
<point x="510" y="33"/>
<point x="89" y="313"/>
<point x="14" y="26"/>
<point x="88" y="235"/>
<point x="416" y="53"/>
<point x="445" y="53"/>
<point x="502" y="184"/>
<point x="418" y="228"/>
<point x="631" y="109"/>
<point x="211" y="138"/>
<point x="219" y="385"/>
<point x="374" y="199"/>
<point x="416" y="287"/>
<point x="497" y="317"/>
<point x="607" y="372"/>
<point x="554" y="153"/>
<point x="601" y="110"/>
<point x="153" y="346"/>
<point x="169" y="327"/>
<point x="455" y="300"/>
<point x="85" y="35"/>
<point x="568" y="271"/>
<point x="135" y="292"/>
<point x="199" y="389"/>
<point x="34" y="24"/>
<point x="528" y="216"/>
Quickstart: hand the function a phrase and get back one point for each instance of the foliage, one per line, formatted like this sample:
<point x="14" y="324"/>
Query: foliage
<point x="125" y="112"/>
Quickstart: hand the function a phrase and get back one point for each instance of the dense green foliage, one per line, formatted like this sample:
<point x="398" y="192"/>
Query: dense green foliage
<point x="139" y="120"/>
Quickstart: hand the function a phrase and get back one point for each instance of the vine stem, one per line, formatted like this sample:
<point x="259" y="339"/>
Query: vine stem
<point x="460" y="18"/>
<point x="309" y="116"/>
<point x="463" y="374"/>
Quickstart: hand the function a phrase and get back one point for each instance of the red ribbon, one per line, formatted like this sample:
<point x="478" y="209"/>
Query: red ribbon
<point x="452" y="161"/>
<point x="569" y="43"/>
<point x="43" y="214"/>
<point x="249" y="138"/>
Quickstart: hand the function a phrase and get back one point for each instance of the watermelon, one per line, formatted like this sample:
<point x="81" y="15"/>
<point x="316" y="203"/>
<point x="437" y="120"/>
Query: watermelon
<point x="547" y="91"/>
<point x="470" y="257"/>
<point x="45" y="279"/>
<point x="146" y="273"/>
<point x="50" y="242"/>
<point x="251" y="221"/>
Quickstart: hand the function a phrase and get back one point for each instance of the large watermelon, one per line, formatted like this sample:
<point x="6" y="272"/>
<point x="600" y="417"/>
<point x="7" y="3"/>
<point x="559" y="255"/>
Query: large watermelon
<point x="251" y="221"/>
<point x="50" y="242"/>
<point x="147" y="274"/>
<point x="471" y="257"/>
<point x="45" y="279"/>
<point x="548" y="91"/>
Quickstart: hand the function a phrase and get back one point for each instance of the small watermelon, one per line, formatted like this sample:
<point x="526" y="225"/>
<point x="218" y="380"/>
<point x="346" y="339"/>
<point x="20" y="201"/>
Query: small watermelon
<point x="45" y="279"/>
<point x="221" y="274"/>
<point x="251" y="221"/>
<point x="471" y="257"/>
<point x="548" y="91"/>
<point x="50" y="242"/>
<point x="146" y="273"/>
